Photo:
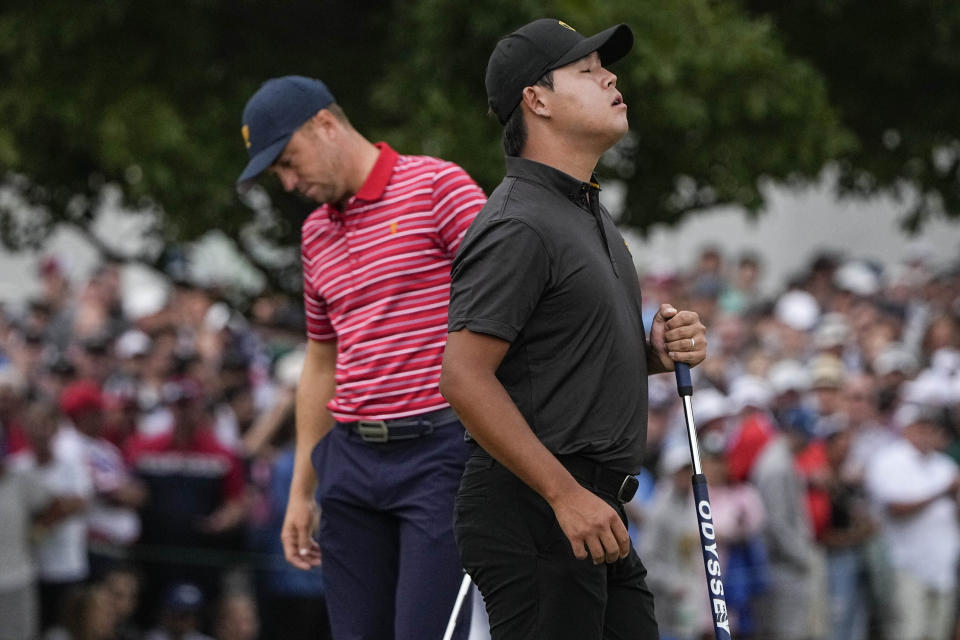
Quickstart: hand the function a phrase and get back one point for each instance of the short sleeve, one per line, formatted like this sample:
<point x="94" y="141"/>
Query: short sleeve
<point x="498" y="278"/>
<point x="456" y="202"/>
<point x="318" y="322"/>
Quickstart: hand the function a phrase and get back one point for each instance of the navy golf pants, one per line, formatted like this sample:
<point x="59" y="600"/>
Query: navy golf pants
<point x="390" y="563"/>
<point x="532" y="584"/>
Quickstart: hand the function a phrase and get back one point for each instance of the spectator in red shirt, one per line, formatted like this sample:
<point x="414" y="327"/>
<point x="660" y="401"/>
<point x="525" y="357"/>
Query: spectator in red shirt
<point x="195" y="497"/>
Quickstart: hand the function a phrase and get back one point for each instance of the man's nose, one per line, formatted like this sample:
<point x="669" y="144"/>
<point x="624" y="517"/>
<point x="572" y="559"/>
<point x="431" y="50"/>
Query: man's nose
<point x="289" y="179"/>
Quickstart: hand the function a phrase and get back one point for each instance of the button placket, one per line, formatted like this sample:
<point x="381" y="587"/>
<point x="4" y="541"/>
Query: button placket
<point x="592" y="196"/>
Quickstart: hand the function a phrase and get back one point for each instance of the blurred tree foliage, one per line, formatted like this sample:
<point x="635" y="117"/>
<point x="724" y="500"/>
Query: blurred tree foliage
<point x="147" y="95"/>
<point x="892" y="70"/>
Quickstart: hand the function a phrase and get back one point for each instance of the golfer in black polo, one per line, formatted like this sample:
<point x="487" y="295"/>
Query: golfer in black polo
<point x="547" y="358"/>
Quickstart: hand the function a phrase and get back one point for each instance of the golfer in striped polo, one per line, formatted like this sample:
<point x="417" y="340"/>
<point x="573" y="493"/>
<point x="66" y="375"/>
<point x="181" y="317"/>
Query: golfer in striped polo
<point x="377" y="444"/>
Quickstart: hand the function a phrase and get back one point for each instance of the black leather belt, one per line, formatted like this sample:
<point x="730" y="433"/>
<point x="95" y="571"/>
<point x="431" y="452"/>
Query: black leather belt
<point x="616" y="483"/>
<point x="401" y="428"/>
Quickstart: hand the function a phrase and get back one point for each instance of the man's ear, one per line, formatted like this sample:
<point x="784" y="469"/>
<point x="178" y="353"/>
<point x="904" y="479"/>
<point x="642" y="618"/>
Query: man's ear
<point x="324" y="122"/>
<point x="535" y="101"/>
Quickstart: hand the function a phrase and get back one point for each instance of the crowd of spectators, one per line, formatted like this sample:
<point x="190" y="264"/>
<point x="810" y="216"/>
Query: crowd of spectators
<point x="146" y="455"/>
<point x="828" y="417"/>
<point x="146" y="458"/>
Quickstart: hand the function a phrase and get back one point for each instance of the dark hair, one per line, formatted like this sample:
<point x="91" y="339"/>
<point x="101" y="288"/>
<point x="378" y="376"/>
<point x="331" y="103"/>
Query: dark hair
<point x="338" y="112"/>
<point x="515" y="130"/>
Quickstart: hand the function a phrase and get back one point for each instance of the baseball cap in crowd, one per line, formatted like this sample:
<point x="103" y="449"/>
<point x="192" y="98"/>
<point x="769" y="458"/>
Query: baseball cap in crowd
<point x="184" y="597"/>
<point x="858" y="278"/>
<point x="79" y="398"/>
<point x="748" y="391"/>
<point x="799" y="420"/>
<point x="181" y="390"/>
<point x="521" y="58"/>
<point x="827" y="372"/>
<point x="710" y="405"/>
<point x="274" y="113"/>
<point x="909" y="414"/>
<point x="895" y="358"/>
<point x="788" y="375"/>
<point x="673" y="458"/>
<point x="797" y="309"/>
<point x="832" y="331"/>
<point x="133" y="343"/>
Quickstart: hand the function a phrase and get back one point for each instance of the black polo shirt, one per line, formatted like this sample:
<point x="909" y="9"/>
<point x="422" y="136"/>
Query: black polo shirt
<point x="544" y="268"/>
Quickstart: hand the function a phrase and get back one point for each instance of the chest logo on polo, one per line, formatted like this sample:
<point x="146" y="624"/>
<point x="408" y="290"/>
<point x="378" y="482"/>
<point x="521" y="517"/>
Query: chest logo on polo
<point x="393" y="227"/>
<point x="565" y="25"/>
<point x="245" y="132"/>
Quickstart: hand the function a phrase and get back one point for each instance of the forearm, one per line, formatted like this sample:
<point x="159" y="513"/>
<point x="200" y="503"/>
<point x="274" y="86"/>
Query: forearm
<point x="470" y="384"/>
<point x="266" y="425"/>
<point x="313" y="420"/>
<point x="904" y="509"/>
<point x="229" y="516"/>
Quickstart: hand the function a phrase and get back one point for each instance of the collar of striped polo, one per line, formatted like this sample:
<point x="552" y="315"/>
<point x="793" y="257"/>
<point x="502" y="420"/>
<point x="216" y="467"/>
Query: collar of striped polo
<point x="379" y="176"/>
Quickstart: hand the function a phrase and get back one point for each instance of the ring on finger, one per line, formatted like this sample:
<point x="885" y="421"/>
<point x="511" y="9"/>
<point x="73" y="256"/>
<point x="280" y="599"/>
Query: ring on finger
<point x="693" y="344"/>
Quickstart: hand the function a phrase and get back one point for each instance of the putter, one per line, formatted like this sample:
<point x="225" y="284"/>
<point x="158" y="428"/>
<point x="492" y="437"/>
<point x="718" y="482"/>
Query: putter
<point x="708" y="537"/>
<point x="461" y="595"/>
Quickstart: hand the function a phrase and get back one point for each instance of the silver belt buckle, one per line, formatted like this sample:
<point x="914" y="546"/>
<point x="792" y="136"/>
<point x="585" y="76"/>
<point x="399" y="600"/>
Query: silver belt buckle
<point x="372" y="430"/>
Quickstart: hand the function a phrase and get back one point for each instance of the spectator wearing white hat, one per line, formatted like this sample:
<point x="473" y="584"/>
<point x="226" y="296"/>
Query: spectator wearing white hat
<point x="789" y="380"/>
<point x="915" y="485"/>
<point x="796" y="313"/>
<point x="892" y="367"/>
<point x="855" y="279"/>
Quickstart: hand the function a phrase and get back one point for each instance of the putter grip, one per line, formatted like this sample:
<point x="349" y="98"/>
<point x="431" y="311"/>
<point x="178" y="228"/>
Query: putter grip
<point x="684" y="385"/>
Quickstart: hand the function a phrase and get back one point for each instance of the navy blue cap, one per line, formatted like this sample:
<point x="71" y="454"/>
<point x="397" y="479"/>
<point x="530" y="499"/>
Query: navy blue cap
<point x="274" y="113"/>
<point x="520" y="59"/>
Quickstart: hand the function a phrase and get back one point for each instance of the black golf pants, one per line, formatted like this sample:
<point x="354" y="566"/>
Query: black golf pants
<point x="533" y="587"/>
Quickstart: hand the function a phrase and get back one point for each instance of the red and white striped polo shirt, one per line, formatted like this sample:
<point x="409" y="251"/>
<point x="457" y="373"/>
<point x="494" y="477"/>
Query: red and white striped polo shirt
<point x="377" y="279"/>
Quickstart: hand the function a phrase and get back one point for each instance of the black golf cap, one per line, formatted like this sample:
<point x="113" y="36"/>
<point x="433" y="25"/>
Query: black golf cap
<point x="521" y="58"/>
